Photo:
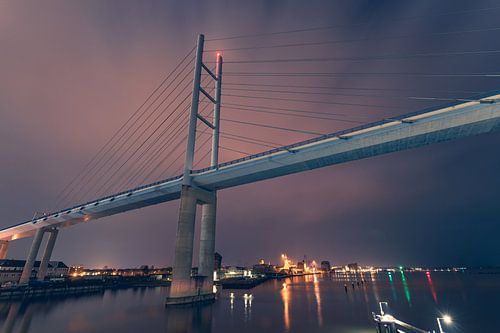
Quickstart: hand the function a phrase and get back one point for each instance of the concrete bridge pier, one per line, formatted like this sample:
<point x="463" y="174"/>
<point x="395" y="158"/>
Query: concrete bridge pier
<point x="184" y="288"/>
<point x="42" y="271"/>
<point x="4" y="247"/>
<point x="30" y="261"/>
<point x="35" y="247"/>
<point x="207" y="245"/>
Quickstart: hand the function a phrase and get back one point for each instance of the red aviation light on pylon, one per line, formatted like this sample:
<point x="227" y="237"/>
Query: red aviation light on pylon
<point x="218" y="54"/>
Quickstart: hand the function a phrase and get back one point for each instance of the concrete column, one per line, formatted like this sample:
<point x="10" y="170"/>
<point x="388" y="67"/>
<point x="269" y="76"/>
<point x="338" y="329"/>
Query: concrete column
<point x="30" y="261"/>
<point x="183" y="261"/>
<point x="4" y="246"/>
<point x="42" y="271"/>
<point x="207" y="245"/>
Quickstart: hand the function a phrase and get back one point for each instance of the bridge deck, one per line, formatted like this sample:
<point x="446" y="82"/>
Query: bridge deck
<point x="480" y="114"/>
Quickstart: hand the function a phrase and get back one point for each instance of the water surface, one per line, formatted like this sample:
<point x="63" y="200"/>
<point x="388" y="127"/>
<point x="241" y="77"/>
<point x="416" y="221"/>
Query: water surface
<point x="312" y="304"/>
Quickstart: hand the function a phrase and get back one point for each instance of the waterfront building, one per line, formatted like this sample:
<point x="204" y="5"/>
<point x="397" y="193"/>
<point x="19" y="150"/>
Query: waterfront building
<point x="235" y="272"/>
<point x="264" y="269"/>
<point x="325" y="266"/>
<point x="217" y="261"/>
<point x="301" y="265"/>
<point x="11" y="269"/>
<point x="88" y="273"/>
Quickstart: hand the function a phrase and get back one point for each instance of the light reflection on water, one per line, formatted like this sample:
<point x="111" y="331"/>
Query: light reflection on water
<point x="285" y="295"/>
<point x="393" y="289"/>
<point x="405" y="286"/>
<point x="317" y="295"/>
<point x="313" y="304"/>
<point x="431" y="286"/>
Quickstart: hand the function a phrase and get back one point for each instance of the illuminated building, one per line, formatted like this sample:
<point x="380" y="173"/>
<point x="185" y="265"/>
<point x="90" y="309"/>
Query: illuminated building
<point x="264" y="269"/>
<point x="235" y="272"/>
<point x="80" y="272"/>
<point x="325" y="266"/>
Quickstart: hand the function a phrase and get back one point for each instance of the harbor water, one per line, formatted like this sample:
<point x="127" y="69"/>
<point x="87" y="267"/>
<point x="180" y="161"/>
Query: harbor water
<point x="312" y="304"/>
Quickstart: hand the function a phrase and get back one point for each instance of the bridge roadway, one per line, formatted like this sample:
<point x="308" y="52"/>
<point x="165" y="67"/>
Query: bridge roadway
<point x="480" y="114"/>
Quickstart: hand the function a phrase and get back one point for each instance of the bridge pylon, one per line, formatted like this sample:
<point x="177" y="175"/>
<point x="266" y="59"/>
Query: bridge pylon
<point x="187" y="288"/>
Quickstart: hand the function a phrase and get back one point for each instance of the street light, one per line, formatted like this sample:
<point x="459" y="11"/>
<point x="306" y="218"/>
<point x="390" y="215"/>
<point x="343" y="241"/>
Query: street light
<point x="381" y="308"/>
<point x="447" y="320"/>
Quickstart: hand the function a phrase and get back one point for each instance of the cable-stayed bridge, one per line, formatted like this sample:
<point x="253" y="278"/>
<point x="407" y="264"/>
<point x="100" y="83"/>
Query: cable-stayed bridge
<point x="152" y="138"/>
<point x="442" y="123"/>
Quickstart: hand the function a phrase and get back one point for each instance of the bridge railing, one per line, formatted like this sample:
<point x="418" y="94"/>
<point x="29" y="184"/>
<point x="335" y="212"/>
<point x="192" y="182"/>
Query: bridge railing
<point x="96" y="201"/>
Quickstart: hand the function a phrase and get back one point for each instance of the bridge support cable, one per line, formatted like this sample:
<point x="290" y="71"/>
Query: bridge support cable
<point x="161" y="153"/>
<point x="351" y="26"/>
<point x="159" y="157"/>
<point x="142" y="130"/>
<point x="366" y="75"/>
<point x="380" y="57"/>
<point x="308" y="116"/>
<point x="194" y="116"/>
<point x="321" y="113"/>
<point x="334" y="88"/>
<point x="422" y="98"/>
<point x="252" y="141"/>
<point x="151" y="153"/>
<point x="154" y="150"/>
<point x="244" y="141"/>
<point x="202" y="159"/>
<point x="201" y="69"/>
<point x="384" y="96"/>
<point x="257" y="69"/>
<point x="164" y="157"/>
<point x="313" y="101"/>
<point x="201" y="147"/>
<point x="123" y="130"/>
<point x="123" y="138"/>
<point x="268" y="143"/>
<point x="295" y="130"/>
<point x="167" y="171"/>
<point x="136" y="150"/>
<point x="249" y="140"/>
<point x="119" y="155"/>
<point x="356" y="40"/>
<point x="165" y="152"/>
<point x="213" y="129"/>
<point x="236" y="151"/>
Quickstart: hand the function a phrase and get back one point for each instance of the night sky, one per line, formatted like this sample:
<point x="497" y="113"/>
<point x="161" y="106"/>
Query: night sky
<point x="72" y="72"/>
